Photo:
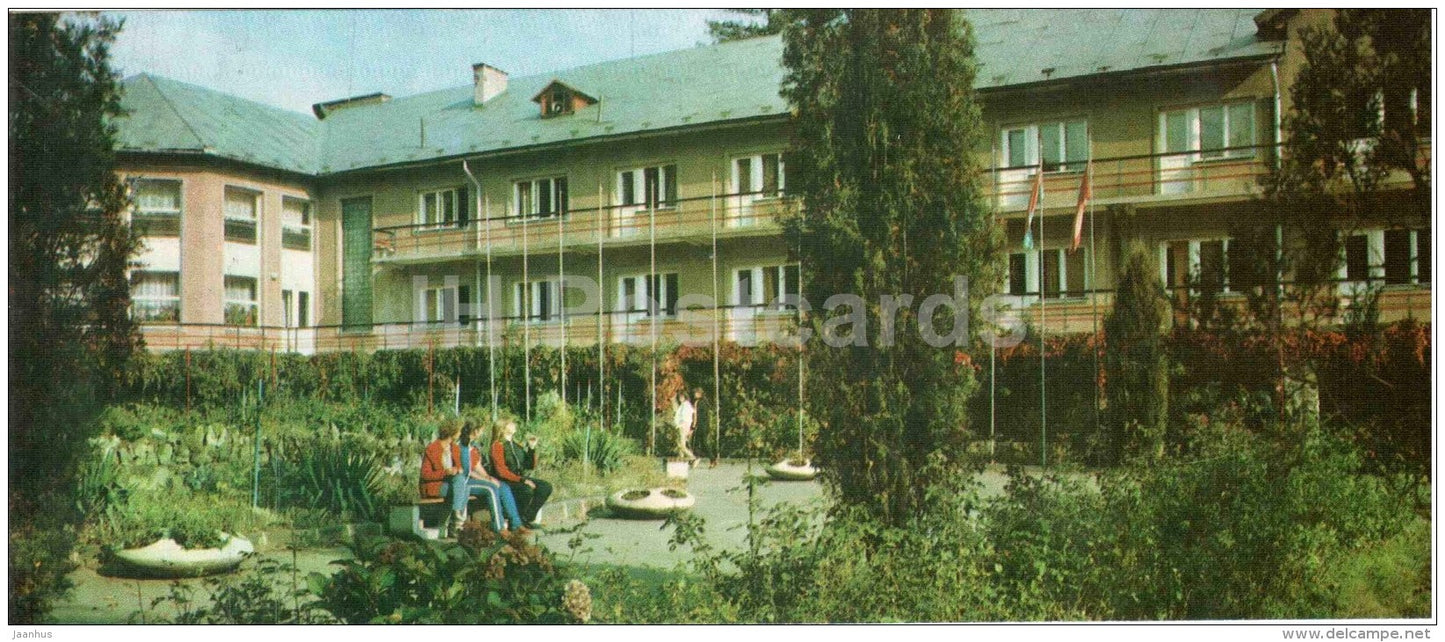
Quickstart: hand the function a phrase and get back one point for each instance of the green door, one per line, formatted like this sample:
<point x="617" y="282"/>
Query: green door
<point x="356" y="263"/>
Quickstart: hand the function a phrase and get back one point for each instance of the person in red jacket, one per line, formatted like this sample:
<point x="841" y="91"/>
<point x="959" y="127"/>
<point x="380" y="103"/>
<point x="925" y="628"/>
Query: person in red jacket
<point x="442" y="474"/>
<point x="511" y="463"/>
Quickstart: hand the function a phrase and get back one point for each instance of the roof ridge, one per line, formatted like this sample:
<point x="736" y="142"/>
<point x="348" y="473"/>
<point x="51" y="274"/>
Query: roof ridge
<point x="172" y="106"/>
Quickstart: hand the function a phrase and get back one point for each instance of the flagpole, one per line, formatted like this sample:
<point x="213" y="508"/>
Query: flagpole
<point x="1094" y="299"/>
<point x="1043" y="287"/>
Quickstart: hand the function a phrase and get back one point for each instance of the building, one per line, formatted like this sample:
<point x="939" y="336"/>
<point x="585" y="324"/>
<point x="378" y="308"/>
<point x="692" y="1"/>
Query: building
<point x="381" y="222"/>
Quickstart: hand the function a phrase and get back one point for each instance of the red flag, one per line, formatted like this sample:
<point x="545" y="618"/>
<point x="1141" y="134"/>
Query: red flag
<point x="1036" y="194"/>
<point x="1086" y="192"/>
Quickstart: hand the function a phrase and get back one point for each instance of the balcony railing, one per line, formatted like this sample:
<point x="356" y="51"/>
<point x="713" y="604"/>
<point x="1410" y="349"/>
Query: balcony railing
<point x="728" y="214"/>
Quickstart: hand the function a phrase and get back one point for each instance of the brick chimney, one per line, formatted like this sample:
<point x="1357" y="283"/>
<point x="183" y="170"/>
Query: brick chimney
<point x="488" y="83"/>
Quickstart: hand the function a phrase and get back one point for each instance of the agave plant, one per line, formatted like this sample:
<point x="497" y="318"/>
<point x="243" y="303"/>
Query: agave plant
<point x="337" y="476"/>
<point x="606" y="451"/>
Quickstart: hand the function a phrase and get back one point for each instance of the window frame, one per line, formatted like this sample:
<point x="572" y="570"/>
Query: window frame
<point x="306" y="228"/>
<point x="254" y="304"/>
<point x="639" y="183"/>
<point x="1194" y="135"/>
<point x="559" y="196"/>
<point x="757" y="169"/>
<point x="175" y="299"/>
<point x="422" y="224"/>
<point x="1035" y="264"/>
<point x="523" y="305"/>
<point x="1033" y="137"/>
<point x="158" y="217"/>
<point x="639" y="305"/>
<point x="228" y="220"/>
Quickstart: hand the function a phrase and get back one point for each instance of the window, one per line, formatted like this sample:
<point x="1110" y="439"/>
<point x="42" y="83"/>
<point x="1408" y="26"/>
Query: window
<point x="155" y="297"/>
<point x="1212" y="265"/>
<point x="539" y="198"/>
<point x="766" y="286"/>
<point x="1396" y="257"/>
<point x="1064" y="273"/>
<point x="557" y="102"/>
<point x="648" y="186"/>
<point x="759" y="176"/>
<point x="1059" y="146"/>
<point x="1212" y="132"/>
<point x="538" y="301"/>
<point x="445" y="208"/>
<point x="295" y="224"/>
<point x="299" y="315"/>
<point x="241" y="210"/>
<point x="444" y="304"/>
<point x="644" y="296"/>
<point x="157" y="208"/>
<point x="240" y="300"/>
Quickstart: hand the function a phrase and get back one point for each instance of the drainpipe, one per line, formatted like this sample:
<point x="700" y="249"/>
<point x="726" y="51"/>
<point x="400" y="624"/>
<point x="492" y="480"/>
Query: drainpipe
<point x="491" y="355"/>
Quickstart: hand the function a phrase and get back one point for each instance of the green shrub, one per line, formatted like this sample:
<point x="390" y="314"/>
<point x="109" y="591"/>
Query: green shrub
<point x="605" y="451"/>
<point x="193" y="521"/>
<point x="264" y="592"/>
<point x="39" y="569"/>
<point x="343" y="477"/>
<point x="479" y="580"/>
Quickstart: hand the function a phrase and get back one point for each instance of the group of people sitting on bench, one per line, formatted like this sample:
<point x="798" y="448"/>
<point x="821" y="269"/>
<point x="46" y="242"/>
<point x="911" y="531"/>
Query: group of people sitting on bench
<point x="454" y="468"/>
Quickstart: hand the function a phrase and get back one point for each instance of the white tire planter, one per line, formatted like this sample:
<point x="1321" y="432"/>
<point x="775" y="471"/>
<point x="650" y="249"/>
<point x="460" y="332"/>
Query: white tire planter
<point x="166" y="559"/>
<point x="786" y="471"/>
<point x="655" y="505"/>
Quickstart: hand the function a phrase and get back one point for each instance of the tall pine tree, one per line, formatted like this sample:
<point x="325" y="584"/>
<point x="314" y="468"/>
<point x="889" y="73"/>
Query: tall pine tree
<point x="886" y="124"/>
<point x="70" y="330"/>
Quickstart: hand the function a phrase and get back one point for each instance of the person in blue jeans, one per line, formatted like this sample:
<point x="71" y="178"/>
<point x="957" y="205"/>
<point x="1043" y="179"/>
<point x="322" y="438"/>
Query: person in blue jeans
<point x="479" y="482"/>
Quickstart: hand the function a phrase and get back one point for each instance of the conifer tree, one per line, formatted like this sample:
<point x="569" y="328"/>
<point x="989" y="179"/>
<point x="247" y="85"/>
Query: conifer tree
<point x="886" y="121"/>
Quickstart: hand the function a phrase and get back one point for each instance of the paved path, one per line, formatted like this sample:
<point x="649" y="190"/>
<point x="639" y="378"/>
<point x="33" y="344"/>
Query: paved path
<point x="721" y="501"/>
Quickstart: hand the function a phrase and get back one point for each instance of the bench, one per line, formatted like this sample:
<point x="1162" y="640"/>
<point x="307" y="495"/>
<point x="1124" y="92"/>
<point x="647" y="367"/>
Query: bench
<point x="412" y="519"/>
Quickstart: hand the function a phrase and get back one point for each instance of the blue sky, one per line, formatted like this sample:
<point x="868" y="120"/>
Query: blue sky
<point x="292" y="59"/>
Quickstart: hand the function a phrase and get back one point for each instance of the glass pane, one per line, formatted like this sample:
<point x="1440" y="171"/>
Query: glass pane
<point x="303" y="309"/>
<point x="1076" y="142"/>
<point x="544" y="196"/>
<point x="669" y="184"/>
<point x="163" y="196"/>
<point x="1357" y="261"/>
<point x="432" y="313"/>
<point x="745" y="287"/>
<point x="745" y="175"/>
<point x="1422" y="254"/>
<point x="294" y="212"/>
<point x="1211" y="131"/>
<point x="1051" y="273"/>
<point x="770" y="175"/>
<point x="429" y="208"/>
<point x="1397" y="257"/>
<point x="770" y="284"/>
<point x="1017" y="274"/>
<point x="650" y="187"/>
<point x="670" y="293"/>
<point x="561" y="200"/>
<point x="1017" y="148"/>
<point x="449" y="206"/>
<point x="1051" y="144"/>
<point x="1176" y="131"/>
<point x="240" y="204"/>
<point x="1241" y="128"/>
<point x="1075" y="265"/>
<point x="629" y="197"/>
<point x="1211" y="265"/>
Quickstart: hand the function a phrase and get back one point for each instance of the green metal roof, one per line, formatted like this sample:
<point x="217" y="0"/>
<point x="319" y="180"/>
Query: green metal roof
<point x="172" y="116"/>
<point x="1021" y="46"/>
<point x="686" y="88"/>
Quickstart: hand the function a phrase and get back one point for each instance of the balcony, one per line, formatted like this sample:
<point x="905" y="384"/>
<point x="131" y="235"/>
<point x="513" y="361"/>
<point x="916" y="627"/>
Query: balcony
<point x="730" y="215"/>
<point x="1150" y="178"/>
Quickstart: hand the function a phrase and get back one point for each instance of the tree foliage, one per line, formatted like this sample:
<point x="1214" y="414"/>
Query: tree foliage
<point x="69" y="240"/>
<point x="772" y="21"/>
<point x="885" y="114"/>
<point x="70" y="330"/>
<point x="1136" y="361"/>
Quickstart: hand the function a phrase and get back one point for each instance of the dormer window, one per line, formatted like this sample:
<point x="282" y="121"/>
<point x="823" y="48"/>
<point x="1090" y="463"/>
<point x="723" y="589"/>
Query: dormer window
<point x="559" y="99"/>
